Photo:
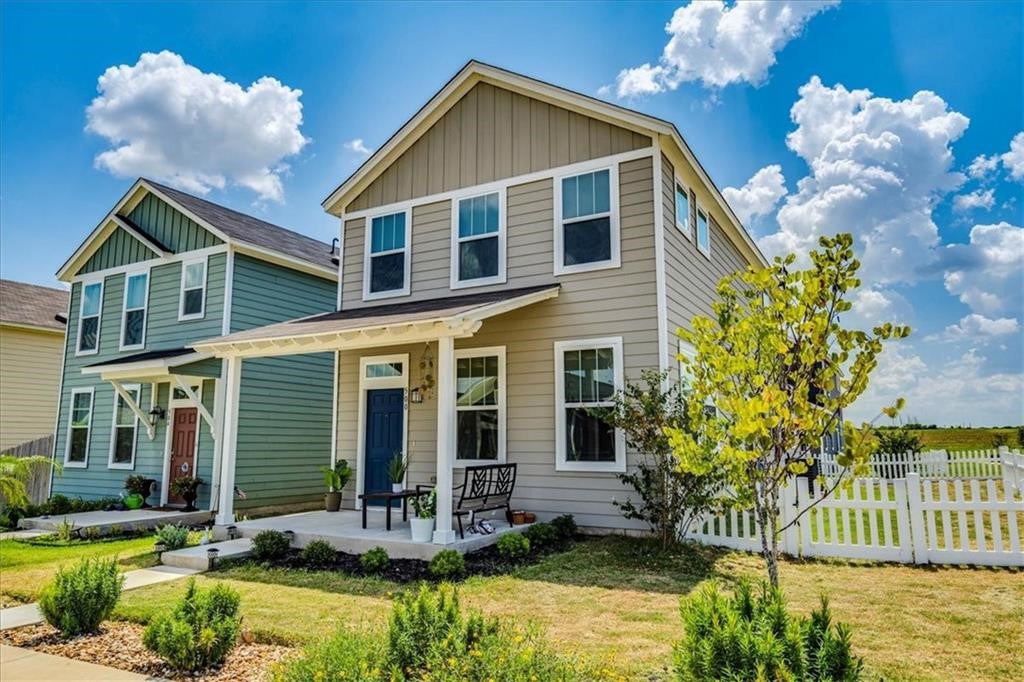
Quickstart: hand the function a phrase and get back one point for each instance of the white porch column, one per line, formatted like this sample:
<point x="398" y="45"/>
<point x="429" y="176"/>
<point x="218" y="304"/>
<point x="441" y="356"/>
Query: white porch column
<point x="229" y="438"/>
<point x="443" y="534"/>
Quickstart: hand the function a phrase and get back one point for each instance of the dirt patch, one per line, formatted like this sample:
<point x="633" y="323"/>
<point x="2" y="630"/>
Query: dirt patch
<point x="119" y="645"/>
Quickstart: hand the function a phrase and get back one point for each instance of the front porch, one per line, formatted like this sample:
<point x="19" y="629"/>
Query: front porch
<point x="344" y="531"/>
<point x="105" y="522"/>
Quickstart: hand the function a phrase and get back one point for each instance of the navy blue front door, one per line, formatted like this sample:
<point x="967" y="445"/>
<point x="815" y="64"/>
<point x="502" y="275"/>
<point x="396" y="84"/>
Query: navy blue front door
<point x="384" y="422"/>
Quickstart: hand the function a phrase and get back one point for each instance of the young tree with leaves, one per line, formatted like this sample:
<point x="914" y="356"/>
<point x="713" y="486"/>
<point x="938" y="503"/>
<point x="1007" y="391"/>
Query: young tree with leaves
<point x="779" y="368"/>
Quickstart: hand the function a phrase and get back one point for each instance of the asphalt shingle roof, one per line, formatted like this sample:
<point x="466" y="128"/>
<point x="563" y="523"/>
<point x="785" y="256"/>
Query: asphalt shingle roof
<point x="31" y="304"/>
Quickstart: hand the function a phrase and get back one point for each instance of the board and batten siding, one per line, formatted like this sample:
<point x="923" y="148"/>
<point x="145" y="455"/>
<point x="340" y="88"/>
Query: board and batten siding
<point x="691" y="279"/>
<point x="490" y="134"/>
<point x="30" y="376"/>
<point x="284" y="416"/>
<point x="602" y="303"/>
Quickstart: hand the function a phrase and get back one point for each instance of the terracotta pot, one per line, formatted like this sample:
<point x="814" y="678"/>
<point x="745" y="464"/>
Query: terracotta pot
<point x="529" y="517"/>
<point x="332" y="501"/>
<point x="518" y="517"/>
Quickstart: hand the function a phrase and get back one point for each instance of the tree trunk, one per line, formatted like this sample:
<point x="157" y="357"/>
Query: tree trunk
<point x="766" y="524"/>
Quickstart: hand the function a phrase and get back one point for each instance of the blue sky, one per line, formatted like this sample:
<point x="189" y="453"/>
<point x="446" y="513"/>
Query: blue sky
<point x="364" y="69"/>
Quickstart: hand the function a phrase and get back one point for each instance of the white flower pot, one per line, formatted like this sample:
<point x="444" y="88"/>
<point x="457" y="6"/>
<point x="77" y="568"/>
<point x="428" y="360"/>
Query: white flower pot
<point x="422" y="529"/>
<point x="397" y="487"/>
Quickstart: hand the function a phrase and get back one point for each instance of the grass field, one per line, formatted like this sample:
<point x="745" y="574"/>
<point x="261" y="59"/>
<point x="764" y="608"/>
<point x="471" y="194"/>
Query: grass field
<point x="616" y="602"/>
<point x="963" y="439"/>
<point x="27" y="565"/>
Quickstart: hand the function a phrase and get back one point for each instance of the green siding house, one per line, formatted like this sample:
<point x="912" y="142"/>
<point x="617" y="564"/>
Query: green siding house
<point x="162" y="270"/>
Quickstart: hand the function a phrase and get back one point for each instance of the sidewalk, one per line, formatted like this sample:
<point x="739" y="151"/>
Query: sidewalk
<point x="18" y="665"/>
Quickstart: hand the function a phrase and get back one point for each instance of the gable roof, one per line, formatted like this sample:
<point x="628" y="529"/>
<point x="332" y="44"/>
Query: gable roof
<point x="475" y="72"/>
<point x="246" y="233"/>
<point x="30" y="305"/>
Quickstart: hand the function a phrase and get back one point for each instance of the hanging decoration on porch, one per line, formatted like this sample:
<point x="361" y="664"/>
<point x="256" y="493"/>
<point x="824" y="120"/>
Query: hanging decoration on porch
<point x="426" y="385"/>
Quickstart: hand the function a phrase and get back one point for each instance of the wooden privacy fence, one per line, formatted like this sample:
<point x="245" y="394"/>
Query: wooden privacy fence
<point x="38" y="484"/>
<point x="909" y="520"/>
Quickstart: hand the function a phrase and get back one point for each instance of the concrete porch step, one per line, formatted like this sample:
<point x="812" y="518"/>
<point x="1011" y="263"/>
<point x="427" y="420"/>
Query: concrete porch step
<point x="197" y="557"/>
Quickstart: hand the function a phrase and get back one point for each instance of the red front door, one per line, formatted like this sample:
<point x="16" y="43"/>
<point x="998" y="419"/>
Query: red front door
<point x="183" y="447"/>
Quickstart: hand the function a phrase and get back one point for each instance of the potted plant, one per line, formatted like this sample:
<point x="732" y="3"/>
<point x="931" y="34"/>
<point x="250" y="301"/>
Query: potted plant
<point x="139" y="485"/>
<point x="335" y="479"/>
<point x="187" y="488"/>
<point x="396" y="472"/>
<point x="422" y="525"/>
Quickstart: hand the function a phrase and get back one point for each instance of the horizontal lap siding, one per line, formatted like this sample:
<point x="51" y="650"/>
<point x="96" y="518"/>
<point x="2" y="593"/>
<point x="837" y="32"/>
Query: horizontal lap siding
<point x="284" y="416"/>
<point x="30" y="361"/>
<point x="163" y="331"/>
<point x="613" y="302"/>
<point x="491" y="134"/>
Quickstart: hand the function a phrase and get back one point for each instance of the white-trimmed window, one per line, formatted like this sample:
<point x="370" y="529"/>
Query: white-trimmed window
<point x="386" y="262"/>
<point x="686" y="350"/>
<point x="133" y="318"/>
<point x="587" y="221"/>
<point x="479" y="406"/>
<point x="124" y="430"/>
<point x="193" y="290"/>
<point x="478" y="240"/>
<point x="90" y="308"/>
<point x="683" y="210"/>
<point x="587" y="375"/>
<point x="703" y="232"/>
<point x="76" y="453"/>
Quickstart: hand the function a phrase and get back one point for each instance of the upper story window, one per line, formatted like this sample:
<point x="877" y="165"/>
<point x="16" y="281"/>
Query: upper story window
<point x="89" y="310"/>
<point x="478" y="240"/>
<point x="480" y="405"/>
<point x="193" y="290"/>
<point x="587" y="375"/>
<point x="586" y="221"/>
<point x="133" y="320"/>
<point x="703" y="232"/>
<point x="122" y="445"/>
<point x="386" y="263"/>
<point x="683" y="210"/>
<point x="76" y="453"/>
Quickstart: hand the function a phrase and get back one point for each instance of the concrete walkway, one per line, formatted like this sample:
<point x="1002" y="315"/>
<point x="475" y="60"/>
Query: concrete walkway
<point x="28" y="614"/>
<point x="17" y="665"/>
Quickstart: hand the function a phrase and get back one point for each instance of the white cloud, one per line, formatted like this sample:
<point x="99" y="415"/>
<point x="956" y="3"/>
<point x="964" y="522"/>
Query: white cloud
<point x="957" y="392"/>
<point x="976" y="327"/>
<point x="168" y="120"/>
<point x="1013" y="160"/>
<point x="719" y="44"/>
<point x="877" y="168"/>
<point x="982" y="166"/>
<point x="987" y="274"/>
<point x="356" y="145"/>
<point x="976" y="199"/>
<point x="759" y="196"/>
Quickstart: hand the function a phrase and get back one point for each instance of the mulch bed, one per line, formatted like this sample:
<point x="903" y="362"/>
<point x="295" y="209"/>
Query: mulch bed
<point x="119" y="645"/>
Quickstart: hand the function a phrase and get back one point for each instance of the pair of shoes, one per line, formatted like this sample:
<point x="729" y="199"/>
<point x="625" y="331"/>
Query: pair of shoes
<point x="484" y="527"/>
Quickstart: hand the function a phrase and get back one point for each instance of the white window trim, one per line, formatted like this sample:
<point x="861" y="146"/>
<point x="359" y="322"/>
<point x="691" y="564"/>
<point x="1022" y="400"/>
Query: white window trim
<point x="369" y="383"/>
<point x="561" y="461"/>
<point x="84" y="464"/>
<point x="688" y="351"/>
<point x="490" y="351"/>
<point x="696" y="230"/>
<point x="456" y="240"/>
<point x="686" y="228"/>
<point x="111" y="464"/>
<point x="407" y="249"/>
<point x="145" y="310"/>
<point x="182" y="317"/>
<point x="613" y="214"/>
<point x="99" y="317"/>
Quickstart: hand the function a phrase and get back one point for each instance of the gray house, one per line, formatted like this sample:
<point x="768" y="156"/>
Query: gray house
<point x="162" y="270"/>
<point x="510" y="257"/>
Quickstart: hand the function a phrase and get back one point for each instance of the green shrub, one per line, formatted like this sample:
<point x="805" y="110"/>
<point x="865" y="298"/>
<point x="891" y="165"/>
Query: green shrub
<point x="319" y="553"/>
<point x="541" y="535"/>
<point x="566" y="526"/>
<point x="65" y="530"/>
<point x="752" y="636"/>
<point x="375" y="560"/>
<point x="513" y="546"/>
<point x="447" y="564"/>
<point x="199" y="632"/>
<point x="270" y="545"/>
<point x="82" y="596"/>
<point x="173" y="536"/>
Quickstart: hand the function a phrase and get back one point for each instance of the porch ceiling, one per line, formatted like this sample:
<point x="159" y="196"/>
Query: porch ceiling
<point x="455" y="316"/>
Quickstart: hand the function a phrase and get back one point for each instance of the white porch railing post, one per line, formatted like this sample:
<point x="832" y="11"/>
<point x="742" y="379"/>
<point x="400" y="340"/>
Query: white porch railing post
<point x="914" y="508"/>
<point x="232" y="386"/>
<point x="443" y="533"/>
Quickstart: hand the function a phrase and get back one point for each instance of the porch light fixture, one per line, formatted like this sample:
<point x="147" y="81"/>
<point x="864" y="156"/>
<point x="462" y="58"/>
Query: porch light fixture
<point x="156" y="414"/>
<point x="415" y="395"/>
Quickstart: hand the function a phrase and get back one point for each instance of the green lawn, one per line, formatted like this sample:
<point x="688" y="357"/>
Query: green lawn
<point x="963" y="439"/>
<point x="615" y="601"/>
<point x="27" y="565"/>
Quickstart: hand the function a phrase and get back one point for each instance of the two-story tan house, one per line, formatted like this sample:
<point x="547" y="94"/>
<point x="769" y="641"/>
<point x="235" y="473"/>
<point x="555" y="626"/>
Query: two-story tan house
<point x="509" y="258"/>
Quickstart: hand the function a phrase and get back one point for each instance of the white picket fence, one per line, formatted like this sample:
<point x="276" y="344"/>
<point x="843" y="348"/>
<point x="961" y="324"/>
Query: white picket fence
<point x="963" y="464"/>
<point x="913" y="519"/>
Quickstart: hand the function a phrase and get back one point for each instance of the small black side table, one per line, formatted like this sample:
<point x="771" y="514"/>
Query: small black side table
<point x="388" y="497"/>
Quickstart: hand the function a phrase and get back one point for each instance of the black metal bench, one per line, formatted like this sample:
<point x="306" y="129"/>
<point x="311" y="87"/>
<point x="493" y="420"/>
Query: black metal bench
<point x="487" y="487"/>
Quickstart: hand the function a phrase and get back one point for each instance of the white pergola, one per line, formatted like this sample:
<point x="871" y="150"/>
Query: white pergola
<point x="438" y="320"/>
